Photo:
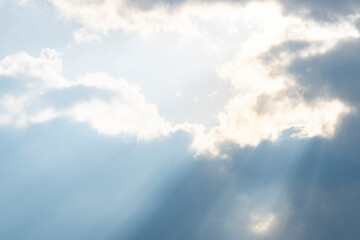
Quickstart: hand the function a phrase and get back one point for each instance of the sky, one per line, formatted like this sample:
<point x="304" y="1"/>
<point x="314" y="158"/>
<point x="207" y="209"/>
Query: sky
<point x="179" y="119"/>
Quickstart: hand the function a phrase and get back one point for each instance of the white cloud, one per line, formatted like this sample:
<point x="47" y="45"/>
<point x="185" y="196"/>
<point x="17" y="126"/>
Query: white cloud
<point x="138" y="119"/>
<point x="127" y="113"/>
<point x="245" y="121"/>
<point x="14" y="111"/>
<point x="112" y="15"/>
<point x="44" y="115"/>
<point x="47" y="67"/>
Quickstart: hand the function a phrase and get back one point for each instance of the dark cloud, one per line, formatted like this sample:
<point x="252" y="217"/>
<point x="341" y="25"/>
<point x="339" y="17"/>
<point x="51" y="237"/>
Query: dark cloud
<point x="323" y="193"/>
<point x="326" y="10"/>
<point x="323" y="10"/>
<point x="335" y="73"/>
<point x="289" y="46"/>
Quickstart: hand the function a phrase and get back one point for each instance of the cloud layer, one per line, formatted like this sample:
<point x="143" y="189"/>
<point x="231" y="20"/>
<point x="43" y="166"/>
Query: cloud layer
<point x="268" y="99"/>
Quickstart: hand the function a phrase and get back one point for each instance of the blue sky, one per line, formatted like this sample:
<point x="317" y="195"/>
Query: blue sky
<point x="151" y="120"/>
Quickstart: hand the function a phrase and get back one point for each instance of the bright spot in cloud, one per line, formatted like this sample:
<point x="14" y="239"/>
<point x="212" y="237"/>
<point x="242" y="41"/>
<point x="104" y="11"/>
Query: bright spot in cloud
<point x="261" y="223"/>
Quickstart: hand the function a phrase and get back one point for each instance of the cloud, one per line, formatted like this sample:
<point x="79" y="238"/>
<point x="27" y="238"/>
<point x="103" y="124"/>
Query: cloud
<point x="126" y="113"/>
<point x="105" y="16"/>
<point x="268" y="100"/>
<point x="261" y="223"/>
<point x="47" y="68"/>
<point x="334" y="73"/>
<point x="14" y="112"/>
<point x="323" y="10"/>
<point x="242" y="123"/>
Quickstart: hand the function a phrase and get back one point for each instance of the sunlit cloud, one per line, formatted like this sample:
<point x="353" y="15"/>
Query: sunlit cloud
<point x="267" y="101"/>
<point x="126" y="113"/>
<point x="47" y="68"/>
<point x="261" y="223"/>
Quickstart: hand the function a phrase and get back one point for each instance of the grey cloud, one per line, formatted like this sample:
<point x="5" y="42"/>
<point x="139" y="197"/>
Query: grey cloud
<point x="335" y="73"/>
<point x="323" y="10"/>
<point x="148" y="4"/>
<point x="323" y="192"/>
